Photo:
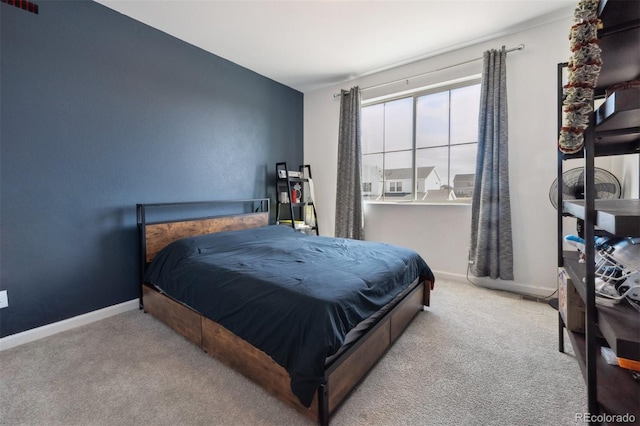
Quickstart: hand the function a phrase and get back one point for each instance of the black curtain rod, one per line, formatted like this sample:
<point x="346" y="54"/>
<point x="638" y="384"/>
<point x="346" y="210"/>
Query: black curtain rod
<point x="519" y="47"/>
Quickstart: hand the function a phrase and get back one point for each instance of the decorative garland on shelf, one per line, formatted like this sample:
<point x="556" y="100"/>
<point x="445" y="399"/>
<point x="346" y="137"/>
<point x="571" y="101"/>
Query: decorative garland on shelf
<point x="584" y="68"/>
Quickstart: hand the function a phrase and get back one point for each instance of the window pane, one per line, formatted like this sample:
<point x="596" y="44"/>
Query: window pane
<point x="398" y="176"/>
<point x="439" y="165"/>
<point x="465" y="107"/>
<point x="433" y="168"/>
<point x="372" y="128"/>
<point x="372" y="177"/>
<point x="398" y="125"/>
<point x="463" y="169"/>
<point x="432" y="120"/>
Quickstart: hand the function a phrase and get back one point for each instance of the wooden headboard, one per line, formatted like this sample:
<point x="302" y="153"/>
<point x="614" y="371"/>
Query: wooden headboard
<point x="154" y="236"/>
<point x="159" y="235"/>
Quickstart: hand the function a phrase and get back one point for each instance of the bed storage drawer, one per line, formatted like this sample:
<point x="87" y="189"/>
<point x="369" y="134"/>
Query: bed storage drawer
<point x="350" y="372"/>
<point x="347" y="374"/>
<point x="405" y="311"/>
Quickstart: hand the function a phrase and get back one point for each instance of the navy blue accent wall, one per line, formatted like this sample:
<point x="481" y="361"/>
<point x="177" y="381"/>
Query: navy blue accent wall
<point x="100" y="112"/>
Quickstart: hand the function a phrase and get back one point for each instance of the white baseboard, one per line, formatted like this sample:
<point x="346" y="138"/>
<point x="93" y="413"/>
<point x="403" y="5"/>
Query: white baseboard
<point x="64" y="325"/>
<point x="57" y="327"/>
<point x="510" y="286"/>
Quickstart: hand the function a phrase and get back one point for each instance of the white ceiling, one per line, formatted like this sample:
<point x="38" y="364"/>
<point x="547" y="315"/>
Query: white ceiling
<point x="308" y="44"/>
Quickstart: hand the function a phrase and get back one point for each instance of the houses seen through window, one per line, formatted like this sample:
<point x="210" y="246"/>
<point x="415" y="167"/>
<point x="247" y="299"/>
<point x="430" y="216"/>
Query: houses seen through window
<point x="421" y="148"/>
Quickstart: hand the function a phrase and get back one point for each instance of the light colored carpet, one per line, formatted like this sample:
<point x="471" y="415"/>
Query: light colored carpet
<point x="477" y="357"/>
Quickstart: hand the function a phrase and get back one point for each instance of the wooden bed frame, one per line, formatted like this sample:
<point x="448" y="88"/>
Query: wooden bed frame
<point x="341" y="376"/>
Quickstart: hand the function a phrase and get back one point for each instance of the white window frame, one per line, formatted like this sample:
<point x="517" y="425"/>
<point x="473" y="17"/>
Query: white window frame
<point x="415" y="94"/>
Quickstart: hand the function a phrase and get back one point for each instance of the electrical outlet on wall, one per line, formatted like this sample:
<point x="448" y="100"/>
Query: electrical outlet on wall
<point x="469" y="260"/>
<point x="4" y="299"/>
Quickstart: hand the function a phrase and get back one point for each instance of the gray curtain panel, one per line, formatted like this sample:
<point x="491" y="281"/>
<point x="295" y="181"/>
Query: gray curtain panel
<point x="491" y="250"/>
<point x="349" y="214"/>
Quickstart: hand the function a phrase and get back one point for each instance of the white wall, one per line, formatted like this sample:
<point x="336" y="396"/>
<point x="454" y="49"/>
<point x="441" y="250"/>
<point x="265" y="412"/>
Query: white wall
<point x="441" y="232"/>
<point x="626" y="168"/>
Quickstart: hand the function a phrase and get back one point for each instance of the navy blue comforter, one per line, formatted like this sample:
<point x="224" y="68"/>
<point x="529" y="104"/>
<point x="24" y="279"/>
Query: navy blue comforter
<point x="291" y="295"/>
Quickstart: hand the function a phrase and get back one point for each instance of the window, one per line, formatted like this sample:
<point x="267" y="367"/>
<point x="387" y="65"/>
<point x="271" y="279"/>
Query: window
<point x="395" y="186"/>
<point x="422" y="147"/>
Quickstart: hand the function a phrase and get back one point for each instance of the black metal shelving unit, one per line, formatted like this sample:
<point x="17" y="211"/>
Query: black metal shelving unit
<point x="297" y="214"/>
<point x="614" y="129"/>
